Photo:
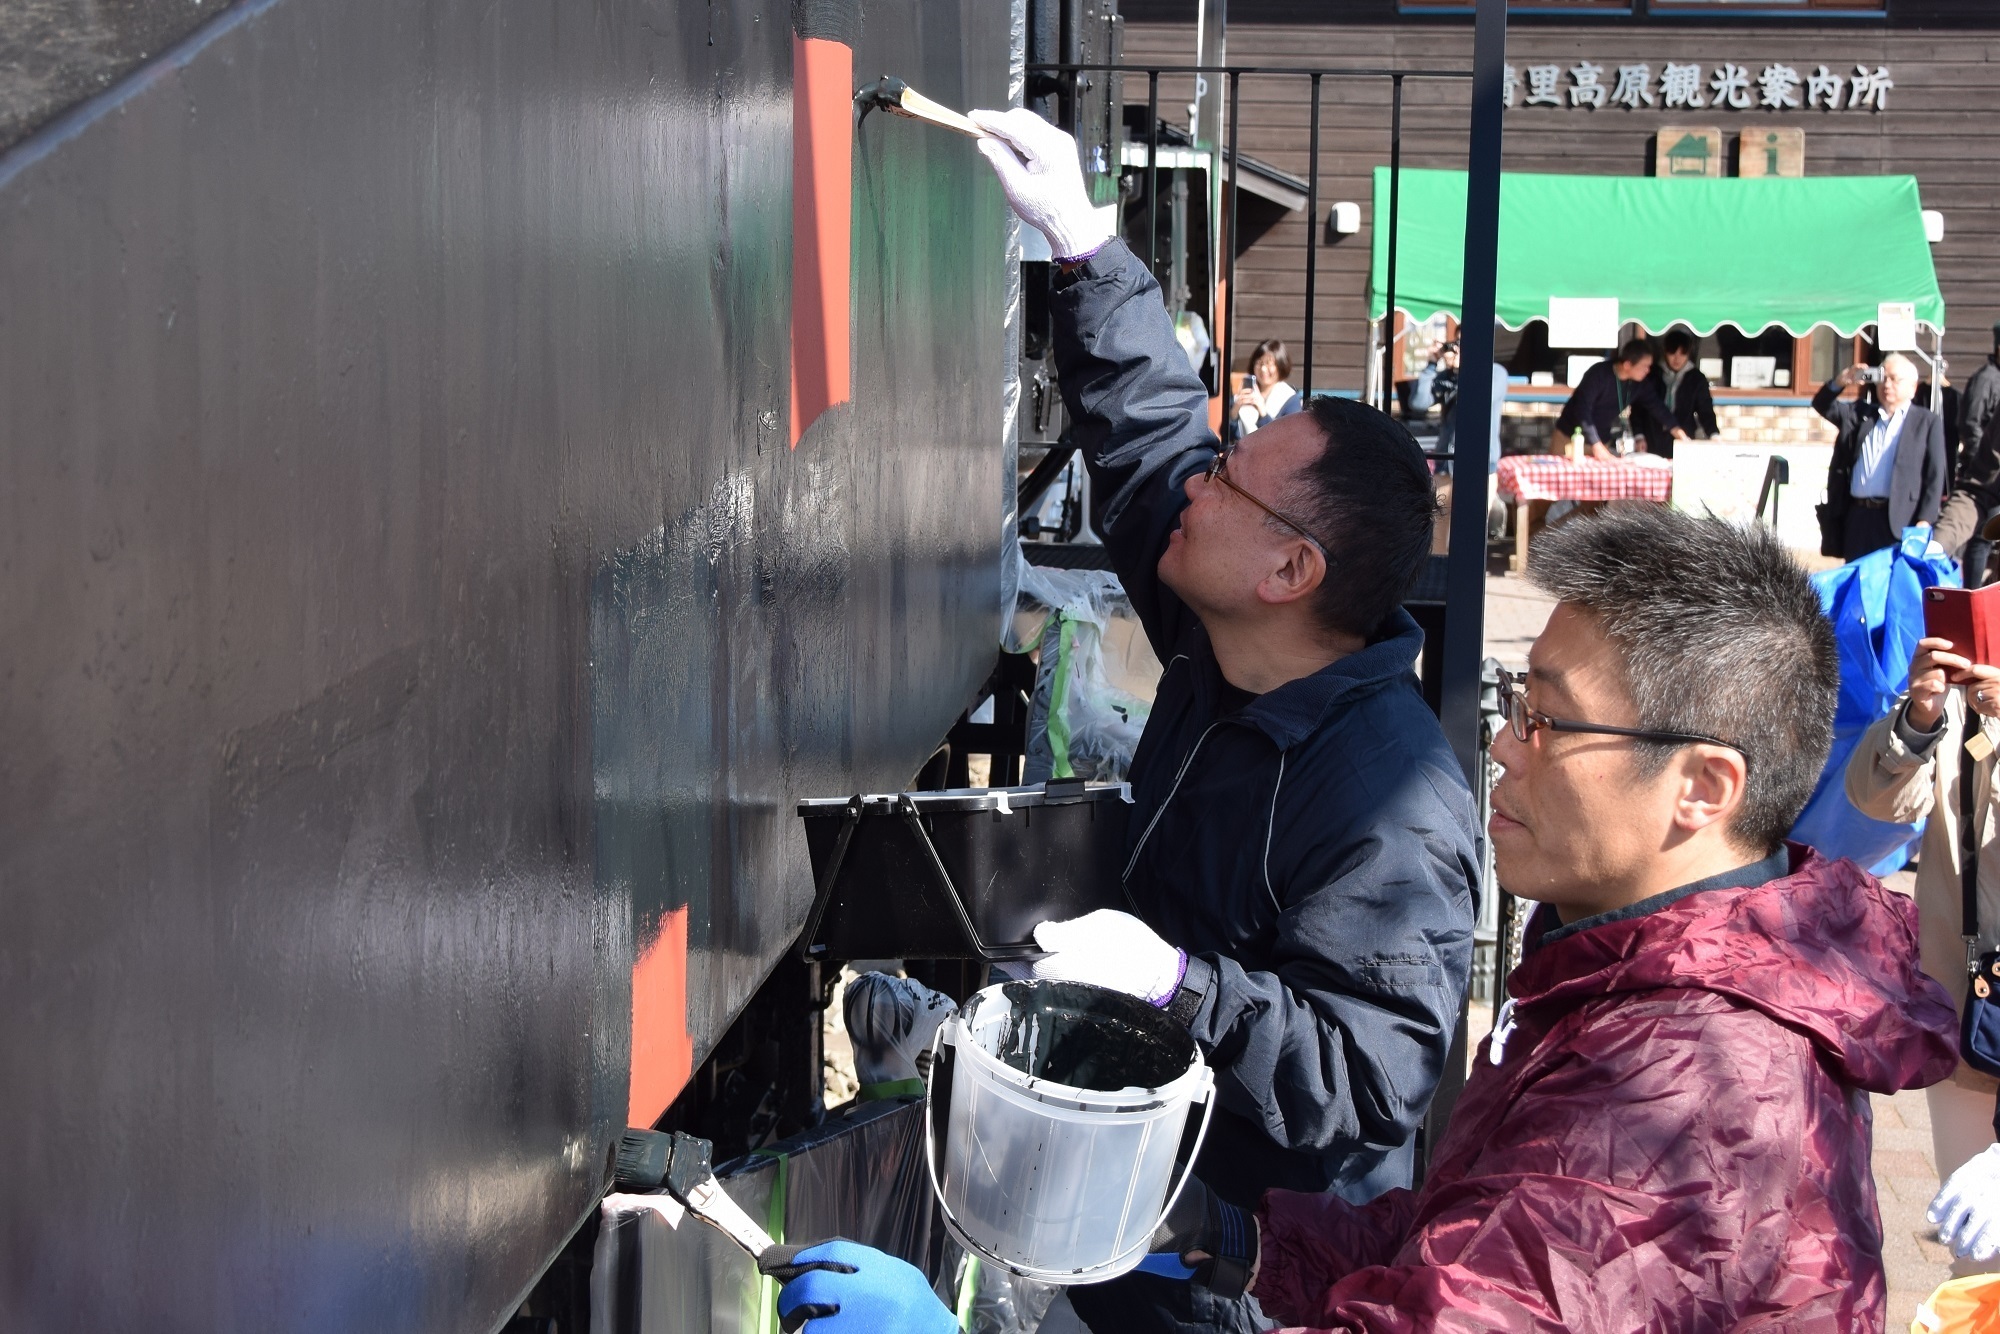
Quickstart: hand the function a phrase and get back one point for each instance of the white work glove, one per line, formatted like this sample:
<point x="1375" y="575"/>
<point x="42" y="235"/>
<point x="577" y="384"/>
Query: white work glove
<point x="1044" y="182"/>
<point x="1111" y="949"/>
<point x="1967" y="1209"/>
<point x="891" y="1021"/>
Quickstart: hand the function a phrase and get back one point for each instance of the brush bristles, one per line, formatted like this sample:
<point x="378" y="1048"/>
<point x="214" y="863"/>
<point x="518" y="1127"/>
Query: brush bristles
<point x="643" y="1158"/>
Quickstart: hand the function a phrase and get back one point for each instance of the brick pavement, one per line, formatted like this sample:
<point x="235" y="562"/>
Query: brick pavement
<point x="1516" y="611"/>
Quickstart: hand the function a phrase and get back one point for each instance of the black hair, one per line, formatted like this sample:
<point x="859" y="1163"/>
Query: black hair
<point x="1720" y="632"/>
<point x="1632" y="351"/>
<point x="1368" y="498"/>
<point x="1680" y="340"/>
<point x="1275" y="349"/>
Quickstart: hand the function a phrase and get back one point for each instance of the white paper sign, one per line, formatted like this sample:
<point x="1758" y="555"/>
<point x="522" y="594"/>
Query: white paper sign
<point x="1896" y="326"/>
<point x="1752" y="372"/>
<point x="1583" y="321"/>
<point x="1577" y="366"/>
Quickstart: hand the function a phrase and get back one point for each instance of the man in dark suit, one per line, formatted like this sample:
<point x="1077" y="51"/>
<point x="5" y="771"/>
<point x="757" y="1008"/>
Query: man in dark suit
<point x="1889" y="464"/>
<point x="1680" y="385"/>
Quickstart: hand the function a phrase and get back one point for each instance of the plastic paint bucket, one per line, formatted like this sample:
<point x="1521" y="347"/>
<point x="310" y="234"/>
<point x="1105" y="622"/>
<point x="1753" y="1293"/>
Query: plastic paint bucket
<point x="1068" y="1104"/>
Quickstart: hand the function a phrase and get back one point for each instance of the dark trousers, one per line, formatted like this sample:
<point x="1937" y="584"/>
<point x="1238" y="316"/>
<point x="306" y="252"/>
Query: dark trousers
<point x="1867" y="530"/>
<point x="1978" y="551"/>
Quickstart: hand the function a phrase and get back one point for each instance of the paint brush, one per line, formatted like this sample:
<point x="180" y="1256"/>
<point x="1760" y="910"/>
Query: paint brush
<point x="650" y="1162"/>
<point x="898" y="98"/>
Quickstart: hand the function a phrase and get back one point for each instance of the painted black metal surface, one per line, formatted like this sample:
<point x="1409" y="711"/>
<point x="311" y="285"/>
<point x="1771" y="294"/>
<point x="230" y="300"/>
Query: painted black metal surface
<point x="408" y="601"/>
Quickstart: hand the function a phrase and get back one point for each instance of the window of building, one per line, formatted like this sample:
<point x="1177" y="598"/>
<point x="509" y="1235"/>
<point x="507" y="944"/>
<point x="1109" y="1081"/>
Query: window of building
<point x="1520" y="6"/>
<point x="1747" y="8"/>
<point x="1767" y="8"/>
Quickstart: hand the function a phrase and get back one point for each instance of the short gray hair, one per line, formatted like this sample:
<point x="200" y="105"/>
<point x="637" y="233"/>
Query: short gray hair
<point x="1720" y="632"/>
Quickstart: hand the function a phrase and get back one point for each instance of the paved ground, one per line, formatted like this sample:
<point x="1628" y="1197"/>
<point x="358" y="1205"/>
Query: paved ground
<point x="1515" y="612"/>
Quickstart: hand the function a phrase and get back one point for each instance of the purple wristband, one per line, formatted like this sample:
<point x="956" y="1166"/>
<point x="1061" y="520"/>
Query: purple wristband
<point x="1180" y="975"/>
<point x="1072" y="261"/>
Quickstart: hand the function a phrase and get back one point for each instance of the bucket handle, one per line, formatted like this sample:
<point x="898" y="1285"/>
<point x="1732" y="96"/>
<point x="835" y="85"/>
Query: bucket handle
<point x="947" y="1034"/>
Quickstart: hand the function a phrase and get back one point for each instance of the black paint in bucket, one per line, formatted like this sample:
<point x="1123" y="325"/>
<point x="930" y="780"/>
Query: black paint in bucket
<point x="1091" y="1038"/>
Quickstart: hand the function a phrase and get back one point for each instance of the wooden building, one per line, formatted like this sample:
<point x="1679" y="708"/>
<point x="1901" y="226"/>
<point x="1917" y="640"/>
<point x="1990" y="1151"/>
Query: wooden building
<point x="1829" y="87"/>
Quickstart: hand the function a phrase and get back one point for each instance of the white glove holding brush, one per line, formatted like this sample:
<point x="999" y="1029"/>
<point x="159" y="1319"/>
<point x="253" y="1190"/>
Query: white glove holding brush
<point x="1043" y="180"/>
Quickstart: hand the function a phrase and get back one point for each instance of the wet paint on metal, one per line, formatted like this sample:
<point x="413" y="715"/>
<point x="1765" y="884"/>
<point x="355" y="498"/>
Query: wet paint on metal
<point x="411" y="613"/>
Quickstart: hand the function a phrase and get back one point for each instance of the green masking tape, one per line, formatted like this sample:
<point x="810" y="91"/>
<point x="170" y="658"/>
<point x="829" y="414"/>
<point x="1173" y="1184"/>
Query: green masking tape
<point x="766" y="1288"/>
<point x="891" y="1088"/>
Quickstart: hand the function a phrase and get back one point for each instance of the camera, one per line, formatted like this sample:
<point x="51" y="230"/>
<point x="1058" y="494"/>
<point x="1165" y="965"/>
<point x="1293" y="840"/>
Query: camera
<point x="1868" y="375"/>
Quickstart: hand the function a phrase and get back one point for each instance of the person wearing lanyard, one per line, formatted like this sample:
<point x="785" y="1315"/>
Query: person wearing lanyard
<point x="1608" y="397"/>
<point x="1888" y="468"/>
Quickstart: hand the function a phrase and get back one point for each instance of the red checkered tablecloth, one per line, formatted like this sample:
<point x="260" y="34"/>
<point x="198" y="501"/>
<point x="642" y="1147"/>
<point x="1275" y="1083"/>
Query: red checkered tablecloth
<point x="1558" y="477"/>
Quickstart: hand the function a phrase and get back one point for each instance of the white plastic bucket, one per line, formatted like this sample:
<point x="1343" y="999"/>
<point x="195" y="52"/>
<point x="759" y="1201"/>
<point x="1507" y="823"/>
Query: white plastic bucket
<point x="1058" y="1181"/>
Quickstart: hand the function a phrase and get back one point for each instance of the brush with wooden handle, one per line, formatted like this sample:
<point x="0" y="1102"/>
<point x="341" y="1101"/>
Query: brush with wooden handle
<point x="898" y="98"/>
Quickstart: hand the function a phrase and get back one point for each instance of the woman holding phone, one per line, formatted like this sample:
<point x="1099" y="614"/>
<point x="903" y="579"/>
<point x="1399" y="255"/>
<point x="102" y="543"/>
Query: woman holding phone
<point x="1908" y="766"/>
<point x="1264" y="395"/>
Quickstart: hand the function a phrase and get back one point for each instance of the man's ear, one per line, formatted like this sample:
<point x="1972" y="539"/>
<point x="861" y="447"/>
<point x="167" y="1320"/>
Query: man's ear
<point x="1298" y="577"/>
<point x="1714" y="781"/>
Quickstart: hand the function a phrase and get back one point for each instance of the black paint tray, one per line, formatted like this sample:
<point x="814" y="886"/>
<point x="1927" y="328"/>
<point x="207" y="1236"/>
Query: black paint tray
<point x="962" y="874"/>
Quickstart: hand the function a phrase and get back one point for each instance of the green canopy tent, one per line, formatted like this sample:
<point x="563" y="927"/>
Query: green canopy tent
<point x="1796" y="252"/>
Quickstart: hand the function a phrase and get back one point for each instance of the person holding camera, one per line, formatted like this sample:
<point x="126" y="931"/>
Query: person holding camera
<point x="1911" y="765"/>
<point x="1889" y="464"/>
<point x="1267" y="393"/>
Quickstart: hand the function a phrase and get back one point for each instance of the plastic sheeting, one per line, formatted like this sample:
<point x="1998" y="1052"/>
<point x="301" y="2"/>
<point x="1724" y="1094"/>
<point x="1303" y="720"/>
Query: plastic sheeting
<point x="1010" y="386"/>
<point x="1080" y="725"/>
<point x="1877" y="609"/>
<point x="860" y="1176"/>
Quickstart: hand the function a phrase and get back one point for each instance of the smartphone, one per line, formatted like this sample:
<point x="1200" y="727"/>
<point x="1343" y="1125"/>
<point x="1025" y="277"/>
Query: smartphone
<point x="1249" y="382"/>
<point x="1970" y="619"/>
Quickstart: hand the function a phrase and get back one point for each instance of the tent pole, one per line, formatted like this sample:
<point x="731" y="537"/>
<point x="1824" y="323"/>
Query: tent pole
<point x="1371" y="368"/>
<point x="1395" y="226"/>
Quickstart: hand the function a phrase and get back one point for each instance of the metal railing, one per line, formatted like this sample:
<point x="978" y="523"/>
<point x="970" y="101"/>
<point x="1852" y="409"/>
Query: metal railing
<point x="1233" y="76"/>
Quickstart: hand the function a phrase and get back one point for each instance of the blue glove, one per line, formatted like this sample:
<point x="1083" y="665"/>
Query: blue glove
<point x="1206" y="1239"/>
<point x="849" y="1288"/>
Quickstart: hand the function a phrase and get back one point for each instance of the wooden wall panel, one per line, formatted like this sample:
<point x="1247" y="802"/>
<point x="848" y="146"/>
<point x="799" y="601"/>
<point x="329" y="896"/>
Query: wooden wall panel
<point x="1940" y="125"/>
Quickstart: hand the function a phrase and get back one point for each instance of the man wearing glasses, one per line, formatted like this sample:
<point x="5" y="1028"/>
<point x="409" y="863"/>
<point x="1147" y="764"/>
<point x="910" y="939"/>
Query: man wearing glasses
<point x="1303" y="854"/>
<point x="1668" y="1128"/>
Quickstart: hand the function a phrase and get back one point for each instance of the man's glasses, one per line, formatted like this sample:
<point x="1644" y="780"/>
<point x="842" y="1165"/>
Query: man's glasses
<point x="1525" y="722"/>
<point x="1218" y="471"/>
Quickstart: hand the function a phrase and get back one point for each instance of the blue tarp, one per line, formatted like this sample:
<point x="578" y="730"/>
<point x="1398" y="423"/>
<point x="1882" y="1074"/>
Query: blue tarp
<point x="1877" y="609"/>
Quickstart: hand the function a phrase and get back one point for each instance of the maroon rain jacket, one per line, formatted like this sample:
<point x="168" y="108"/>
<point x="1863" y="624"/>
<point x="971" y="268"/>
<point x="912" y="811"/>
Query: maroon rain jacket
<point x="1674" y="1136"/>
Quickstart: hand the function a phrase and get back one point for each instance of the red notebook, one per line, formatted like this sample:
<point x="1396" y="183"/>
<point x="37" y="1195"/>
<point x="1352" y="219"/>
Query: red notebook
<point x="1970" y="620"/>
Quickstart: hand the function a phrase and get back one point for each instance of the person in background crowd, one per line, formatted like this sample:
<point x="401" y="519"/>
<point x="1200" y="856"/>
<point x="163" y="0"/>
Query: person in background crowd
<point x="1978" y="475"/>
<point x="1667" y="1129"/>
<point x="1437" y="385"/>
<point x="1888" y="468"/>
<point x="1265" y="394"/>
<point x="1614" y="403"/>
<point x="1908" y="767"/>
<point x="1684" y="390"/>
<point x="1967" y="1209"/>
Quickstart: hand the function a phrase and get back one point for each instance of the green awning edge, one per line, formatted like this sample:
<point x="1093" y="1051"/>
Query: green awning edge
<point x="1795" y="252"/>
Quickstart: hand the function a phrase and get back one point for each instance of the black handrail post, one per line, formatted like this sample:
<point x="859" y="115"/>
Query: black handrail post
<point x="1465" y="572"/>
<point x="1229" y="260"/>
<point x="1312" y="230"/>
<point x="1153" y="173"/>
<point x="1395" y="214"/>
